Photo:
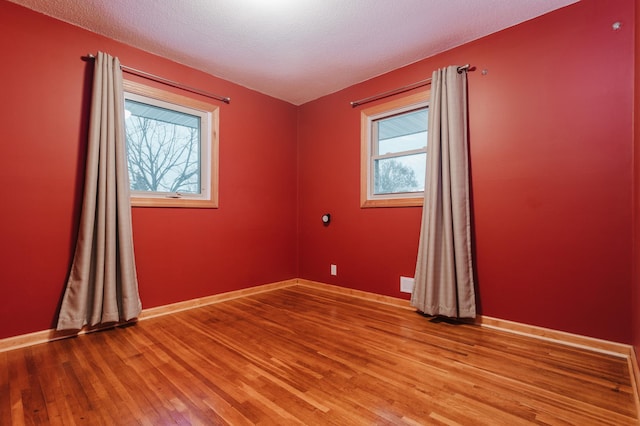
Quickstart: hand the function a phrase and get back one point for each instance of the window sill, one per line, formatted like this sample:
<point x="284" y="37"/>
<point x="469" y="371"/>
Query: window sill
<point x="173" y="202"/>
<point x="393" y="202"/>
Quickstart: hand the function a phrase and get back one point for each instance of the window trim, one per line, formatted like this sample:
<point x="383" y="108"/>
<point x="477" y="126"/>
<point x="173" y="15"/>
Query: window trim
<point x="366" y="146"/>
<point x="211" y="160"/>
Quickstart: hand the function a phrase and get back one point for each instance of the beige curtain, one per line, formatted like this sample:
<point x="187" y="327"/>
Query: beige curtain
<point x="444" y="273"/>
<point x="103" y="286"/>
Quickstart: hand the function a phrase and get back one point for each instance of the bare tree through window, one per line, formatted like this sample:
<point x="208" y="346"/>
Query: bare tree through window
<point x="392" y="177"/>
<point x="163" y="155"/>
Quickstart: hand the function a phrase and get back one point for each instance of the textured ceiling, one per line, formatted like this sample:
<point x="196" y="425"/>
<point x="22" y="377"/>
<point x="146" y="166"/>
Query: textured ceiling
<point x="295" y="50"/>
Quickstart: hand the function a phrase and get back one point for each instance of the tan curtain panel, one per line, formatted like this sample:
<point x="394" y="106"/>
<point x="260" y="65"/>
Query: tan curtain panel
<point x="103" y="286"/>
<point x="444" y="282"/>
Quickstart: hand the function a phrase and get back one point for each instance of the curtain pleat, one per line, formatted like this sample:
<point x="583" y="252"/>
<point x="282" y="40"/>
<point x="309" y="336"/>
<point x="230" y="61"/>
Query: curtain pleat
<point x="103" y="285"/>
<point x="444" y="283"/>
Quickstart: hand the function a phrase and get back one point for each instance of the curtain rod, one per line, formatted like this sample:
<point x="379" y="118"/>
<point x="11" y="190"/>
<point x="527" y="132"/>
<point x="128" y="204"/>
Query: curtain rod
<point x="402" y="89"/>
<point x="168" y="82"/>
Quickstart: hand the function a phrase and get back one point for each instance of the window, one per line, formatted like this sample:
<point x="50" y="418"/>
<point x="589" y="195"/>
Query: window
<point x="394" y="152"/>
<point x="172" y="148"/>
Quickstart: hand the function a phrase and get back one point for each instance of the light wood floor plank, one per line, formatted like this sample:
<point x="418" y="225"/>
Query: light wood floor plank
<point x="304" y="356"/>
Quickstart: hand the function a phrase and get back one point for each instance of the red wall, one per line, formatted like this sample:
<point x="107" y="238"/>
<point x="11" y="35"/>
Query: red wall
<point x="551" y="141"/>
<point x="635" y="299"/>
<point x="181" y="253"/>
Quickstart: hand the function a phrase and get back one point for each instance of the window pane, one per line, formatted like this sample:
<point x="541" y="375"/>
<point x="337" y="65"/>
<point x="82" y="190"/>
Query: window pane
<point x="403" y="132"/>
<point x="163" y="149"/>
<point x="400" y="174"/>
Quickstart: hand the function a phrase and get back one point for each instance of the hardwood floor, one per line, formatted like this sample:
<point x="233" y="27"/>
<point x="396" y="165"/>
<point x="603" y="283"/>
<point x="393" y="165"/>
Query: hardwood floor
<point x="304" y="356"/>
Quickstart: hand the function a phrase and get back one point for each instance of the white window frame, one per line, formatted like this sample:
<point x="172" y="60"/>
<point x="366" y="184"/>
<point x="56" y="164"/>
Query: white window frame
<point x="368" y="152"/>
<point x="209" y="122"/>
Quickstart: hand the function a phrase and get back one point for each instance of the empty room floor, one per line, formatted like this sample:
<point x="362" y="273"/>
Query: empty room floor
<point x="302" y="355"/>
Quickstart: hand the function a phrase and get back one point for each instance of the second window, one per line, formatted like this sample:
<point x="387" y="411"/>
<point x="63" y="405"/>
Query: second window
<point x="394" y="152"/>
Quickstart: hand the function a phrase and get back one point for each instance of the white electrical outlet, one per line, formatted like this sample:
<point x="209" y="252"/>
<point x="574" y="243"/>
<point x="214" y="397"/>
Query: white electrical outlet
<point x="334" y="270"/>
<point x="406" y="284"/>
